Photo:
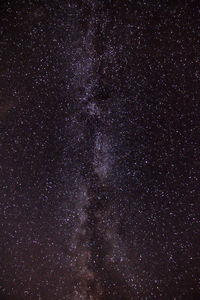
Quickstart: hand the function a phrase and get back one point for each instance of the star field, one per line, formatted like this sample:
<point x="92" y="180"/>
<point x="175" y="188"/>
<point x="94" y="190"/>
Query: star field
<point x="100" y="145"/>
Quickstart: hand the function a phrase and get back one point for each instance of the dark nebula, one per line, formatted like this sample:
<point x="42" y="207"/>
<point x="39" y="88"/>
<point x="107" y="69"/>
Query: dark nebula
<point x="100" y="150"/>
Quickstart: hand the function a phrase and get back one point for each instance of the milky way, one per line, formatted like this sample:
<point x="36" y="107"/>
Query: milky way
<point x="100" y="142"/>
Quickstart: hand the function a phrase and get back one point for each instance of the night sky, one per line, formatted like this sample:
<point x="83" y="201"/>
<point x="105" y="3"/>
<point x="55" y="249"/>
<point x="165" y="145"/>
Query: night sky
<point x="100" y="150"/>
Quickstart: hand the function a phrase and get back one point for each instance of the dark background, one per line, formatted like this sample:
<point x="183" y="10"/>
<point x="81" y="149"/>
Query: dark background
<point x="145" y="80"/>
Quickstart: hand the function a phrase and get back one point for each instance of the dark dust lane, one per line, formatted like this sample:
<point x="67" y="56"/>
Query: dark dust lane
<point x="99" y="156"/>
